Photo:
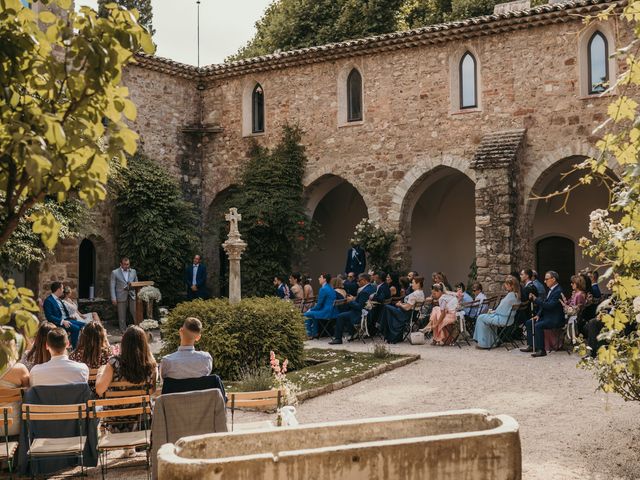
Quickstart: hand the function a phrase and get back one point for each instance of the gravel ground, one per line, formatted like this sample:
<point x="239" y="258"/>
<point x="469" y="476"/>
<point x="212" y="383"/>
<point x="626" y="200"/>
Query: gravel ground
<point x="568" y="430"/>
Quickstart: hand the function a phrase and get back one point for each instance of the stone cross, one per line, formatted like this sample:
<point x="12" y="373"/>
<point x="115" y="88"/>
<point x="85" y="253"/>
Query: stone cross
<point x="234" y="246"/>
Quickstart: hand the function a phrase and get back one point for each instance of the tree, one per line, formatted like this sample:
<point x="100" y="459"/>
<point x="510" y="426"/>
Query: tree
<point x="60" y="75"/>
<point x="615" y="232"/>
<point x="157" y="228"/>
<point x="274" y="223"/>
<point x="291" y="24"/>
<point x="143" y="7"/>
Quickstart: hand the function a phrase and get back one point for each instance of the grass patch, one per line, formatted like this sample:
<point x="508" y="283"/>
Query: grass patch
<point x="328" y="366"/>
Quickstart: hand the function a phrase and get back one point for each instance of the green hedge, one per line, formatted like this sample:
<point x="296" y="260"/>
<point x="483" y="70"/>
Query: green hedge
<point x="240" y="336"/>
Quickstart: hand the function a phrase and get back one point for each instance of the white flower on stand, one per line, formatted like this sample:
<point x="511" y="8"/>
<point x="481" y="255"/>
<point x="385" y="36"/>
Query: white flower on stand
<point x="148" y="324"/>
<point x="149" y="293"/>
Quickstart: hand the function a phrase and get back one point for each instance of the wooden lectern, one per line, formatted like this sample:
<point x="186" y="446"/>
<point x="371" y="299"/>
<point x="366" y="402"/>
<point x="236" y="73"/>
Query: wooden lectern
<point x="139" y="308"/>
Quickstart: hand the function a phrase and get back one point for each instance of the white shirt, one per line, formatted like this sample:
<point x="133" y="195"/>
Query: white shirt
<point x="195" y="273"/>
<point x="186" y="362"/>
<point x="59" y="371"/>
<point x="448" y="302"/>
<point x="551" y="290"/>
<point x="125" y="274"/>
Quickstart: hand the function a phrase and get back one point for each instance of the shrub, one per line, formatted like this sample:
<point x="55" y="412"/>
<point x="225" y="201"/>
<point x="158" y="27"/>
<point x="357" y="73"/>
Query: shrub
<point x="255" y="380"/>
<point x="381" y="351"/>
<point x="239" y="337"/>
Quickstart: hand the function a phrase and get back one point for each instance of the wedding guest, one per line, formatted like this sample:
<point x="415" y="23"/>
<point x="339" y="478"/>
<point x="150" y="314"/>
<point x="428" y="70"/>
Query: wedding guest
<point x="442" y="315"/>
<point x="282" y="290"/>
<point x="56" y="312"/>
<point x="405" y="288"/>
<point x="479" y="296"/>
<point x="337" y="285"/>
<point x="187" y="362"/>
<point x="442" y="278"/>
<point x="395" y="317"/>
<point x="306" y="287"/>
<point x="59" y="370"/>
<point x="573" y="307"/>
<point x="393" y="281"/>
<point x="93" y="347"/>
<point x="463" y="297"/>
<point x="15" y="376"/>
<point x="296" y="291"/>
<point x="484" y="333"/>
<point x="72" y="307"/>
<point x="351" y="284"/>
<point x="542" y="291"/>
<point x="595" y="289"/>
<point x="323" y="309"/>
<point x="38" y="352"/>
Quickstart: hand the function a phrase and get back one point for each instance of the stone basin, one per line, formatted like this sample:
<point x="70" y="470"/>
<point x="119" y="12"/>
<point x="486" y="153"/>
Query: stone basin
<point x="456" y="445"/>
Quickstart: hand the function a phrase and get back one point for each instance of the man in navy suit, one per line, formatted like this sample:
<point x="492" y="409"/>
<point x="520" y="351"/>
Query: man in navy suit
<point x="56" y="312"/>
<point x="195" y="277"/>
<point x="356" y="260"/>
<point x="354" y="313"/>
<point x="549" y="314"/>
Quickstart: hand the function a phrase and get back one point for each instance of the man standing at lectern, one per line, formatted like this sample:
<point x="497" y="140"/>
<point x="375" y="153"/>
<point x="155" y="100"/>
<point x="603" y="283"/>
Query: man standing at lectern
<point x="122" y="296"/>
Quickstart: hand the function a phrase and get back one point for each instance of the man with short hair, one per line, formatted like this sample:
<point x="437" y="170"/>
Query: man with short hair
<point x="350" y="285"/>
<point x="538" y="284"/>
<point x="59" y="370"/>
<point x="595" y="289"/>
<point x="550" y="315"/>
<point x="187" y="362"/>
<point x="282" y="289"/>
<point x="323" y="309"/>
<point x="195" y="278"/>
<point x="57" y="312"/>
<point x="353" y="315"/>
<point x="122" y="296"/>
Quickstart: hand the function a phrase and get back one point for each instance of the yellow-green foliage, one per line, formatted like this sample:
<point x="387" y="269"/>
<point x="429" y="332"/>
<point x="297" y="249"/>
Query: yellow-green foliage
<point x="241" y="336"/>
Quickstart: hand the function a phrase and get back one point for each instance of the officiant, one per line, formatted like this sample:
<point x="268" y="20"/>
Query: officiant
<point x="122" y="295"/>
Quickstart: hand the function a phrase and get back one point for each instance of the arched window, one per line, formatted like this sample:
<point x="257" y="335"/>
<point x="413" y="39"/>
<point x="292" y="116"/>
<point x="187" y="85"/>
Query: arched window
<point x="257" y="109"/>
<point x="598" y="62"/>
<point x="86" y="269"/>
<point x="354" y="96"/>
<point x="468" y="81"/>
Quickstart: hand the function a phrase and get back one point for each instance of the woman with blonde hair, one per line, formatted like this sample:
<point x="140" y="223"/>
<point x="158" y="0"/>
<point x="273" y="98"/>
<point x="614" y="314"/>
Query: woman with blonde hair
<point x="485" y="333"/>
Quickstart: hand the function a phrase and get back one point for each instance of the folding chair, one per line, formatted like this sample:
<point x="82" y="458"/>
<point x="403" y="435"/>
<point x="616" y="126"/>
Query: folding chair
<point x="262" y="400"/>
<point x="42" y="447"/>
<point x="465" y="319"/>
<point x="8" y="395"/>
<point x="362" y="328"/>
<point x="414" y="321"/>
<point x="505" y="334"/>
<point x="127" y="389"/>
<point x="128" y="406"/>
<point x="308" y="303"/>
<point x="325" y="324"/>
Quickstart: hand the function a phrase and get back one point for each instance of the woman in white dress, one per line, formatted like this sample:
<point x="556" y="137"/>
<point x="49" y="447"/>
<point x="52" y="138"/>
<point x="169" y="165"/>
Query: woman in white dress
<point x="72" y="307"/>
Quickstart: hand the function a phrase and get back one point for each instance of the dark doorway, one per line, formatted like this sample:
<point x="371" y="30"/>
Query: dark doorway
<point x="559" y="254"/>
<point x="86" y="268"/>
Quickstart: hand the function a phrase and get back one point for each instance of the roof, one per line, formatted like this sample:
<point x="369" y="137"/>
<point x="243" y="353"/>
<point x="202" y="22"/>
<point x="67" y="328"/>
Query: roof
<point x="570" y="11"/>
<point x="498" y="149"/>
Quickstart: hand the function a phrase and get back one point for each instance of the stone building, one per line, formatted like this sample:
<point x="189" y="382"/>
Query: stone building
<point x="444" y="133"/>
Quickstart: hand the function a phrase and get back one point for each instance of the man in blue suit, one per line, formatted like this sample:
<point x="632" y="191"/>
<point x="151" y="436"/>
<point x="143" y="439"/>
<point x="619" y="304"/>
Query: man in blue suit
<point x="549" y="315"/>
<point x="323" y="309"/>
<point x="353" y="315"/>
<point x="56" y="312"/>
<point x="195" y="277"/>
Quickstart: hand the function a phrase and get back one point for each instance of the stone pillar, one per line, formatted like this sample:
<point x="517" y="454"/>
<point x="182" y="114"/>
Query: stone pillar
<point x="234" y="246"/>
<point x="497" y="186"/>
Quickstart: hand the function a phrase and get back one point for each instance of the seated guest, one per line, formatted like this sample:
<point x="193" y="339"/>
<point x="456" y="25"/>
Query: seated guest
<point x="442" y="278"/>
<point x="404" y="286"/>
<point x="306" y="287"/>
<point x="410" y="276"/>
<point x="476" y="289"/>
<point x="72" y="307"/>
<point x="296" y="292"/>
<point x="379" y="297"/>
<point x="395" y="317"/>
<point x="527" y="288"/>
<point x="59" y="370"/>
<point x="574" y="306"/>
<point x="56" y="312"/>
<point x="393" y="281"/>
<point x="135" y="364"/>
<point x="595" y="289"/>
<point x="463" y="297"/>
<point x="549" y="315"/>
<point x="323" y="309"/>
<point x="353" y="315"/>
<point x="93" y="347"/>
<point x="484" y="334"/>
<point x="38" y="352"/>
<point x="337" y="285"/>
<point x="442" y="315"/>
<point x="16" y="376"/>
<point x="542" y="291"/>
<point x="350" y="285"/>
<point x="187" y="362"/>
<point x="282" y="290"/>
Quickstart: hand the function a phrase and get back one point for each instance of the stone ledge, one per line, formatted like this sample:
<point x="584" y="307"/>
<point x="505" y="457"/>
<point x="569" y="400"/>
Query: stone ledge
<point x="374" y="372"/>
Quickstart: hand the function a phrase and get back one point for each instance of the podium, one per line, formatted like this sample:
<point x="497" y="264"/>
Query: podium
<point x="139" y="309"/>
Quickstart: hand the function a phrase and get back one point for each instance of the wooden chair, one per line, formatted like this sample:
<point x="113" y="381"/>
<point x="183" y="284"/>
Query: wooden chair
<point x="128" y="406"/>
<point x="127" y="389"/>
<point x="262" y="400"/>
<point x="93" y="374"/>
<point x="43" y="447"/>
<point x="8" y="395"/>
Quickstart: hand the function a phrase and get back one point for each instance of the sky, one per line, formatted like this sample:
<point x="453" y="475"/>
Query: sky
<point x="225" y="26"/>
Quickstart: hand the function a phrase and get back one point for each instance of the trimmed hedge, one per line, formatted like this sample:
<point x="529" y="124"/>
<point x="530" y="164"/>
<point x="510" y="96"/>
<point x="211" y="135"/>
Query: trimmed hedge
<point x="239" y="337"/>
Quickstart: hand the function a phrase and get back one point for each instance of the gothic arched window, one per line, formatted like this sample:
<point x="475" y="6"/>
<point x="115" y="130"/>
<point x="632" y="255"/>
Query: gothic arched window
<point x="598" y="62"/>
<point x="354" y="96"/>
<point x="257" y="109"/>
<point x="468" y="81"/>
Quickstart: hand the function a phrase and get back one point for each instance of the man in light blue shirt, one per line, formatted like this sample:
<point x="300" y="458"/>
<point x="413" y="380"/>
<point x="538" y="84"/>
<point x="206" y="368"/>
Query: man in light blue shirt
<point x="187" y="362"/>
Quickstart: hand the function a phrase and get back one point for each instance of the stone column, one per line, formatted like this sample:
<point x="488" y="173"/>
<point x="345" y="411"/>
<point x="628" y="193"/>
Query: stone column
<point x="497" y="192"/>
<point x="234" y="246"/>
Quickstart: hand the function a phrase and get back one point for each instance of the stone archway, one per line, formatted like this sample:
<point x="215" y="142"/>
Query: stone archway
<point x="570" y="220"/>
<point x="438" y="223"/>
<point x="336" y="206"/>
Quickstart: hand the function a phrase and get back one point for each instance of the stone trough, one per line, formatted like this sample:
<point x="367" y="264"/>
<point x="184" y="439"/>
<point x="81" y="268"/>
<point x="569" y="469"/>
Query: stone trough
<point x="455" y="445"/>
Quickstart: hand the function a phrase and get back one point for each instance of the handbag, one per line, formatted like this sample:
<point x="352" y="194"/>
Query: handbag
<point x="417" y="338"/>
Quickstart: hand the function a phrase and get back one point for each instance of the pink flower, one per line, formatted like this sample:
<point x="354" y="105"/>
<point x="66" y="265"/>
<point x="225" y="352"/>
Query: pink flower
<point x="284" y="366"/>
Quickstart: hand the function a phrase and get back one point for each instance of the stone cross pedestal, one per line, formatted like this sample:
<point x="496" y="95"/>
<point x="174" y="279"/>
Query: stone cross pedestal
<point x="234" y="246"/>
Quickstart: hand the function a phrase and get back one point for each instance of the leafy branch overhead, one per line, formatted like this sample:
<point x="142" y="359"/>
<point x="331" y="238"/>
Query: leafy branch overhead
<point x="60" y="77"/>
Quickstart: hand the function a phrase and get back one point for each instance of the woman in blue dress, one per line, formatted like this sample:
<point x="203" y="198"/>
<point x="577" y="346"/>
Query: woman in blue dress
<point x="394" y="317"/>
<point x="484" y="333"/>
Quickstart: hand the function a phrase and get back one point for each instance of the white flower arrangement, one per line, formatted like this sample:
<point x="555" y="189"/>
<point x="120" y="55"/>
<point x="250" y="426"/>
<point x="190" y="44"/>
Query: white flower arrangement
<point x="148" y="294"/>
<point x="148" y="324"/>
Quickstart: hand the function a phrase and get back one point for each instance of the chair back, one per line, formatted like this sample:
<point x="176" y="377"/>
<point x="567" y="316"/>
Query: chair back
<point x="139" y="405"/>
<point x="32" y="412"/>
<point x="261" y="400"/>
<point x="93" y="374"/>
<point x="513" y="312"/>
<point x="10" y="395"/>
<point x="340" y="301"/>
<point x="126" y="389"/>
